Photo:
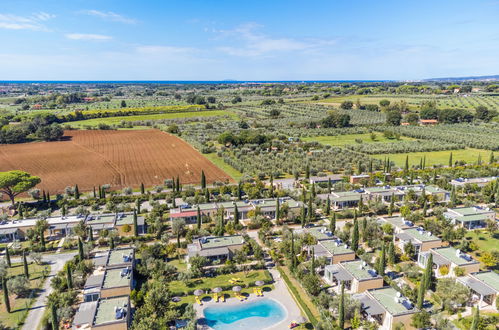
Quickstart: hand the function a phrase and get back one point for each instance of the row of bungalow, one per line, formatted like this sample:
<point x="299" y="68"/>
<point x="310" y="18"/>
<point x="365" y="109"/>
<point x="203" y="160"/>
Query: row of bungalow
<point x="60" y="227"/>
<point x="106" y="293"/>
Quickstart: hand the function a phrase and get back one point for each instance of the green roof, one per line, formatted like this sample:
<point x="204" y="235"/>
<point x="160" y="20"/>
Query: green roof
<point x="221" y="241"/>
<point x="420" y="236"/>
<point x="434" y="190"/>
<point x="395" y="221"/>
<point x="330" y="245"/>
<point x="467" y="211"/>
<point x="359" y="270"/>
<point x="116" y="256"/>
<point x="317" y="233"/>
<point x="475" y="217"/>
<point x="386" y="297"/>
<point x="449" y="253"/>
<point x="490" y="278"/>
<point x="105" y="309"/>
<point x="102" y="218"/>
<point x="127" y="219"/>
<point x="114" y="279"/>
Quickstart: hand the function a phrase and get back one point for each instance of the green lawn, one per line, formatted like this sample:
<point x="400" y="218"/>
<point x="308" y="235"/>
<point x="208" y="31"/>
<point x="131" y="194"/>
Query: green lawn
<point x="208" y="283"/>
<point x="235" y="174"/>
<point x="181" y="265"/>
<point x="484" y="240"/>
<point x="19" y="306"/>
<point x="489" y="320"/>
<point x="118" y="120"/>
<point x="469" y="155"/>
<point x="340" y="140"/>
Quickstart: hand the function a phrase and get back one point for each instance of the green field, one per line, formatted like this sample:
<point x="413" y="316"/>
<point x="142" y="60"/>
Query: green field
<point x="483" y="239"/>
<point x="118" y="120"/>
<point x="468" y="155"/>
<point x="219" y="162"/>
<point x="340" y="140"/>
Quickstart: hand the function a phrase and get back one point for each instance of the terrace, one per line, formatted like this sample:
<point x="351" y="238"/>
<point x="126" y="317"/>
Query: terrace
<point x="357" y="275"/>
<point x="109" y="312"/>
<point x="450" y="258"/>
<point x="420" y="239"/>
<point x="470" y="217"/>
<point x="484" y="287"/>
<point x="334" y="250"/>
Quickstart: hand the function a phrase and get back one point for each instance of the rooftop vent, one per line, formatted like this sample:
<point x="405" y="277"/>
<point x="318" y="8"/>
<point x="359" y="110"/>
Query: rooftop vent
<point x="428" y="233"/>
<point x="458" y="252"/>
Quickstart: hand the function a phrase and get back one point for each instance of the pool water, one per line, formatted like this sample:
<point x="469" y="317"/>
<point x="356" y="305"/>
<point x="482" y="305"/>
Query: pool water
<point x="258" y="314"/>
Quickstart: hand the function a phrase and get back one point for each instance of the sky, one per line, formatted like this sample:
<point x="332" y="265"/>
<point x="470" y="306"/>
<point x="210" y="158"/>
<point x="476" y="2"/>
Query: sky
<point x="247" y="40"/>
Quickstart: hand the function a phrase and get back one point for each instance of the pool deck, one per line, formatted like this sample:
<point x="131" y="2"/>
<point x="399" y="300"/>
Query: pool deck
<point x="279" y="294"/>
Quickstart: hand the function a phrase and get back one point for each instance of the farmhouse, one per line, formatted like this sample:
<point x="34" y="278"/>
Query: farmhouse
<point x="106" y="283"/>
<point x="447" y="259"/>
<point x="387" y="307"/>
<point x="421" y="240"/>
<point x="484" y="287"/>
<point x="334" y="250"/>
<point x="266" y="207"/>
<point x="213" y="248"/>
<point x="480" y="182"/>
<point x="470" y="217"/>
<point x="105" y="313"/>
<point x="356" y="275"/>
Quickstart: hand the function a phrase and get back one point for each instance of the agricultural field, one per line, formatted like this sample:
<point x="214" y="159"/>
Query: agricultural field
<point x="341" y="140"/>
<point x="119" y="158"/>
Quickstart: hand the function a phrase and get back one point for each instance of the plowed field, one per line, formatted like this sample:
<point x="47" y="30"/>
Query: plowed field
<point x="120" y="158"/>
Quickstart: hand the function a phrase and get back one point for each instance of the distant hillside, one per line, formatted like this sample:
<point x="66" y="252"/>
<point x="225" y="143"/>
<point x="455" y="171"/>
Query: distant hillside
<point x="472" y="78"/>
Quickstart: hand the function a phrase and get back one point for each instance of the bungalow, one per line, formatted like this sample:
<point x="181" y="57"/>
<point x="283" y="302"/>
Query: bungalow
<point x="117" y="258"/>
<point x="345" y="199"/>
<point x="213" y="248"/>
<point x="320" y="233"/>
<point x="334" y="178"/>
<point x="398" y="223"/>
<point x="105" y="313"/>
<point x="58" y="227"/>
<point x="384" y="193"/>
<point x="334" y="250"/>
<point x="356" y="179"/>
<point x="121" y="222"/>
<point x="357" y="276"/>
<point x="106" y="283"/>
<point x="449" y="258"/>
<point x="387" y="307"/>
<point x="470" y="217"/>
<point x="421" y="240"/>
<point x="480" y="182"/>
<point x="484" y="287"/>
<point x="10" y="235"/>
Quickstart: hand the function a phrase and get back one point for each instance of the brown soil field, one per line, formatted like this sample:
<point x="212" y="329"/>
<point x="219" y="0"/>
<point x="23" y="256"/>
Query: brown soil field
<point x="119" y="158"/>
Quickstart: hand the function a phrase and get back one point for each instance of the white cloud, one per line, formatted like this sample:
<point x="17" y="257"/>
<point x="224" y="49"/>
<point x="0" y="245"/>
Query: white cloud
<point x="33" y="22"/>
<point x="110" y="16"/>
<point x="87" y="36"/>
<point x="257" y="44"/>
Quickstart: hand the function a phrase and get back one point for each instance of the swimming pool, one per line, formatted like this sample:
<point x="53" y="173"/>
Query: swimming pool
<point x="258" y="314"/>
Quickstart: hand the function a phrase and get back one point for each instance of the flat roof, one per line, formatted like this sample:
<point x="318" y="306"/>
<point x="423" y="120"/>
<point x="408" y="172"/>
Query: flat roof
<point x="421" y="235"/>
<point x="467" y="211"/>
<point x="32" y="222"/>
<point x="116" y="257"/>
<point x="450" y="254"/>
<point x="100" y="219"/>
<point x="221" y="241"/>
<point x="321" y="233"/>
<point x="106" y="310"/>
<point x="117" y="277"/>
<point x="85" y="313"/>
<point x="387" y="298"/>
<point x="127" y="219"/>
<point x="396" y="221"/>
<point x="490" y="278"/>
<point x="333" y="248"/>
<point x="360" y="270"/>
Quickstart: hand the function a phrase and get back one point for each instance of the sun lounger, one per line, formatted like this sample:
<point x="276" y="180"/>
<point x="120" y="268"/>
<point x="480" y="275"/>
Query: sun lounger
<point x="255" y="291"/>
<point x="222" y="297"/>
<point x="198" y="301"/>
<point x="215" y="297"/>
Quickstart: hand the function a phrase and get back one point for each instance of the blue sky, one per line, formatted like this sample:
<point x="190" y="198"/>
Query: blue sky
<point x="250" y="40"/>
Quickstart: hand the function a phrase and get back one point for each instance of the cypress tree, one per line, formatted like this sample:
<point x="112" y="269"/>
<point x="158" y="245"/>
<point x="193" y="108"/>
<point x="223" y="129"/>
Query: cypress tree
<point x="420" y="300"/>
<point x="95" y="194"/>
<point x="198" y="218"/>
<point x="42" y="239"/>
<point x="428" y="273"/>
<point x="111" y="243"/>
<point x="303" y="194"/>
<point x="20" y="209"/>
<point x="332" y="224"/>
<point x="90" y="234"/>
<point x="453" y="196"/>
<point x="341" y="307"/>
<point x="6" y="300"/>
<point x="239" y="192"/>
<point x="103" y="192"/>
<point x="100" y="192"/>
<point x="307" y="172"/>
<point x="364" y="230"/>
<point x="312" y="191"/>
<point x="355" y="235"/>
<point x="64" y="210"/>
<point x="207" y="195"/>
<point x="391" y="253"/>
<point x="277" y="209"/>
<point x="406" y="166"/>
<point x="361" y="205"/>
<point x="479" y="161"/>
<point x="142" y="189"/>
<point x="421" y="163"/>
<point x="329" y="186"/>
<point x="476" y="319"/>
<point x="174" y="203"/>
<point x="7" y="257"/>
<point x="392" y="205"/>
<point x="271" y="186"/>
<point x="370" y="166"/>
<point x="328" y="206"/>
<point x="135" y="223"/>
<point x="312" y="262"/>
<point x="310" y="210"/>
<point x="425" y="208"/>
<point x="69" y="277"/>
<point x="81" y="255"/>
<point x="293" y="257"/>
<point x="54" y="320"/>
<point x="203" y="180"/>
<point x="491" y="158"/>
<point x="25" y="265"/>
<point x="77" y="192"/>
<point x="424" y="162"/>
<point x="450" y="160"/>
<point x="177" y="186"/>
<point x="382" y="261"/>
<point x="303" y="215"/>
<point x="137" y="205"/>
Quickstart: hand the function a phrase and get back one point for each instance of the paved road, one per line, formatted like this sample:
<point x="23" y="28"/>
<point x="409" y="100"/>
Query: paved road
<point x="56" y="262"/>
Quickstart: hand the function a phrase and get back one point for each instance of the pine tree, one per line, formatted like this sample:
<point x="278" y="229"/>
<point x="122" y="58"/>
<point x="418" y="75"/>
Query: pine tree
<point x="332" y="224"/>
<point x="382" y="261"/>
<point x="476" y="319"/>
<point x="328" y="206"/>
<point x="25" y="265"/>
<point x="81" y="255"/>
<point x="142" y="189"/>
<point x="355" y="235"/>
<point x="77" y="192"/>
<point x="203" y="180"/>
<point x="135" y="223"/>
<point x="199" y="220"/>
<point x="277" y="209"/>
<point x="450" y="160"/>
<point x="69" y="277"/>
<point x="54" y="320"/>
<point x="420" y="300"/>
<point x="428" y="273"/>
<point x="341" y="308"/>
<point x="7" y="257"/>
<point x="6" y="300"/>
<point x="391" y="253"/>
